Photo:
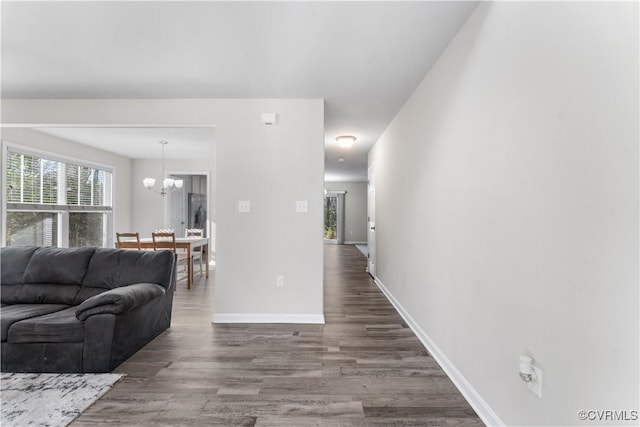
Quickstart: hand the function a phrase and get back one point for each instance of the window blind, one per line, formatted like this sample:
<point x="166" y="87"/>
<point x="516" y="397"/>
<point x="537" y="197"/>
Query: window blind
<point x="35" y="180"/>
<point x="52" y="202"/>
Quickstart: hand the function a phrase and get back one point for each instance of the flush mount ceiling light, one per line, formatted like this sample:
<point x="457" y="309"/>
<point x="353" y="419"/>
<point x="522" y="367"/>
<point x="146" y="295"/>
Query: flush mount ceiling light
<point x="168" y="184"/>
<point x="346" y="141"/>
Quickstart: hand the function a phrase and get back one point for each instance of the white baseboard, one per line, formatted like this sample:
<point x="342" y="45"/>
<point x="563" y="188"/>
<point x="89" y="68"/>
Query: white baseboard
<point x="350" y="242"/>
<point x="268" y="318"/>
<point x="484" y="411"/>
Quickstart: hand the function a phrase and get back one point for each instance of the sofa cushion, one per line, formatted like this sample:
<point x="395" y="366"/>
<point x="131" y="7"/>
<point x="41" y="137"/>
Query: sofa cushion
<point x="52" y="276"/>
<point x="58" y="265"/>
<point x="60" y="326"/>
<point x="17" y="312"/>
<point x="14" y="262"/>
<point x="41" y="293"/>
<point x="113" y="268"/>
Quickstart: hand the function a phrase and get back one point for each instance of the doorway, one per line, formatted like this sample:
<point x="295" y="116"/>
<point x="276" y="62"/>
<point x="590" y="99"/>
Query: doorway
<point x="137" y="143"/>
<point x="334" y="217"/>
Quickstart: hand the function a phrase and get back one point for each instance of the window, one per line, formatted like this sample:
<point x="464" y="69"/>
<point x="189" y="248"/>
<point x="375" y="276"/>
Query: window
<point x="50" y="202"/>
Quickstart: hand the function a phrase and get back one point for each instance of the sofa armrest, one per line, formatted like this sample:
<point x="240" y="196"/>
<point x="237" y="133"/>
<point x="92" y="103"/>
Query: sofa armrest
<point x="119" y="300"/>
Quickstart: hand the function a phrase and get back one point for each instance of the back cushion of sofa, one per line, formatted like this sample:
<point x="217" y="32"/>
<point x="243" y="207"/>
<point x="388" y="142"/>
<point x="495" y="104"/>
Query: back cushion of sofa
<point x="112" y="268"/>
<point x="58" y="265"/>
<point x="13" y="263"/>
<point x="53" y="276"/>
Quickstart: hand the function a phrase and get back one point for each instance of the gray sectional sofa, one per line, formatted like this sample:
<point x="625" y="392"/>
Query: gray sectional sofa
<point x="81" y="309"/>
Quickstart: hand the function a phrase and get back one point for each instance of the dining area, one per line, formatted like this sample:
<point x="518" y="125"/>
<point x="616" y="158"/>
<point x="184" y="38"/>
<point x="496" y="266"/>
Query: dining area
<point x="189" y="250"/>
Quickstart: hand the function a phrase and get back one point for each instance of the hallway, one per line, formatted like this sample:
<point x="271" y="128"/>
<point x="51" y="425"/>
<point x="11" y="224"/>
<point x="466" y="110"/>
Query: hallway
<point x="363" y="367"/>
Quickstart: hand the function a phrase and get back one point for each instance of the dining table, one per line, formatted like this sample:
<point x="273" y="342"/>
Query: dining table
<point x="190" y="245"/>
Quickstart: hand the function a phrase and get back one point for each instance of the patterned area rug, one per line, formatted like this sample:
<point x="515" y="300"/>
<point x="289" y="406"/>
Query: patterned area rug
<point x="49" y="399"/>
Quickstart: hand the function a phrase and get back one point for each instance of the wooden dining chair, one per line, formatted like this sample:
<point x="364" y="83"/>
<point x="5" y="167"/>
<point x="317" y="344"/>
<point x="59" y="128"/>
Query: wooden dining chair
<point x="194" y="232"/>
<point x="128" y="241"/>
<point x="197" y="252"/>
<point x="165" y="230"/>
<point x="167" y="240"/>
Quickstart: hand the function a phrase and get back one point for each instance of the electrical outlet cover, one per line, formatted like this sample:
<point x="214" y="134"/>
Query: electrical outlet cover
<point x="536" y="386"/>
<point x="302" y="206"/>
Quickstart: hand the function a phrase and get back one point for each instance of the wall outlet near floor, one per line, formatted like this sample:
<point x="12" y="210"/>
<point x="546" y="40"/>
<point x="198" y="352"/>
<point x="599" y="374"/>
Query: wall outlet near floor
<point x="536" y="386"/>
<point x="279" y="281"/>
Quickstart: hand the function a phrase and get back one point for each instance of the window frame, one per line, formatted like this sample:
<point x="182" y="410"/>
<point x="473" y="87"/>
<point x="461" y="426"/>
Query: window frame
<point x="63" y="211"/>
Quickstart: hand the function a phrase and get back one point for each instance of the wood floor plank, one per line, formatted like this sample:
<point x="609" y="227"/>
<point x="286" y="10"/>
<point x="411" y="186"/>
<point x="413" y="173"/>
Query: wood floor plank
<point x="364" y="367"/>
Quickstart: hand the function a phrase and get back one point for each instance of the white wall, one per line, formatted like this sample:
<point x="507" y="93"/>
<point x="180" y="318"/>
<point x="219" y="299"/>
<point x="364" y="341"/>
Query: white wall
<point x="272" y="166"/>
<point x="507" y="209"/>
<point x="355" y="209"/>
<point x="51" y="144"/>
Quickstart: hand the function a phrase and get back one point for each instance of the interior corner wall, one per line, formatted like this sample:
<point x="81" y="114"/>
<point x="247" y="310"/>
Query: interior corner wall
<point x="355" y="209"/>
<point x="270" y="166"/>
<point x="51" y="144"/>
<point x="507" y="209"/>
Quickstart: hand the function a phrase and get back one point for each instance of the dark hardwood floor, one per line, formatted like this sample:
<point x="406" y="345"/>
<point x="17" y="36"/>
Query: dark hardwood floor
<point x="363" y="367"/>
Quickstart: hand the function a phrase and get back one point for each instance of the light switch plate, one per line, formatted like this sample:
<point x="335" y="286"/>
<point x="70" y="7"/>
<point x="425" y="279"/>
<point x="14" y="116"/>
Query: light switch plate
<point x="269" y="118"/>
<point x="302" y="206"/>
<point x="244" y="206"/>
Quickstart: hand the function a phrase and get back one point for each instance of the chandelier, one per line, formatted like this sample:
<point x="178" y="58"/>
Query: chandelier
<point x="168" y="184"/>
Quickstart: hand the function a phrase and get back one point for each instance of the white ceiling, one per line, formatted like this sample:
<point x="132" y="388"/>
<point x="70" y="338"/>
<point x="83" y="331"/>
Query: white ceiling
<point x="363" y="58"/>
<point x="143" y="142"/>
